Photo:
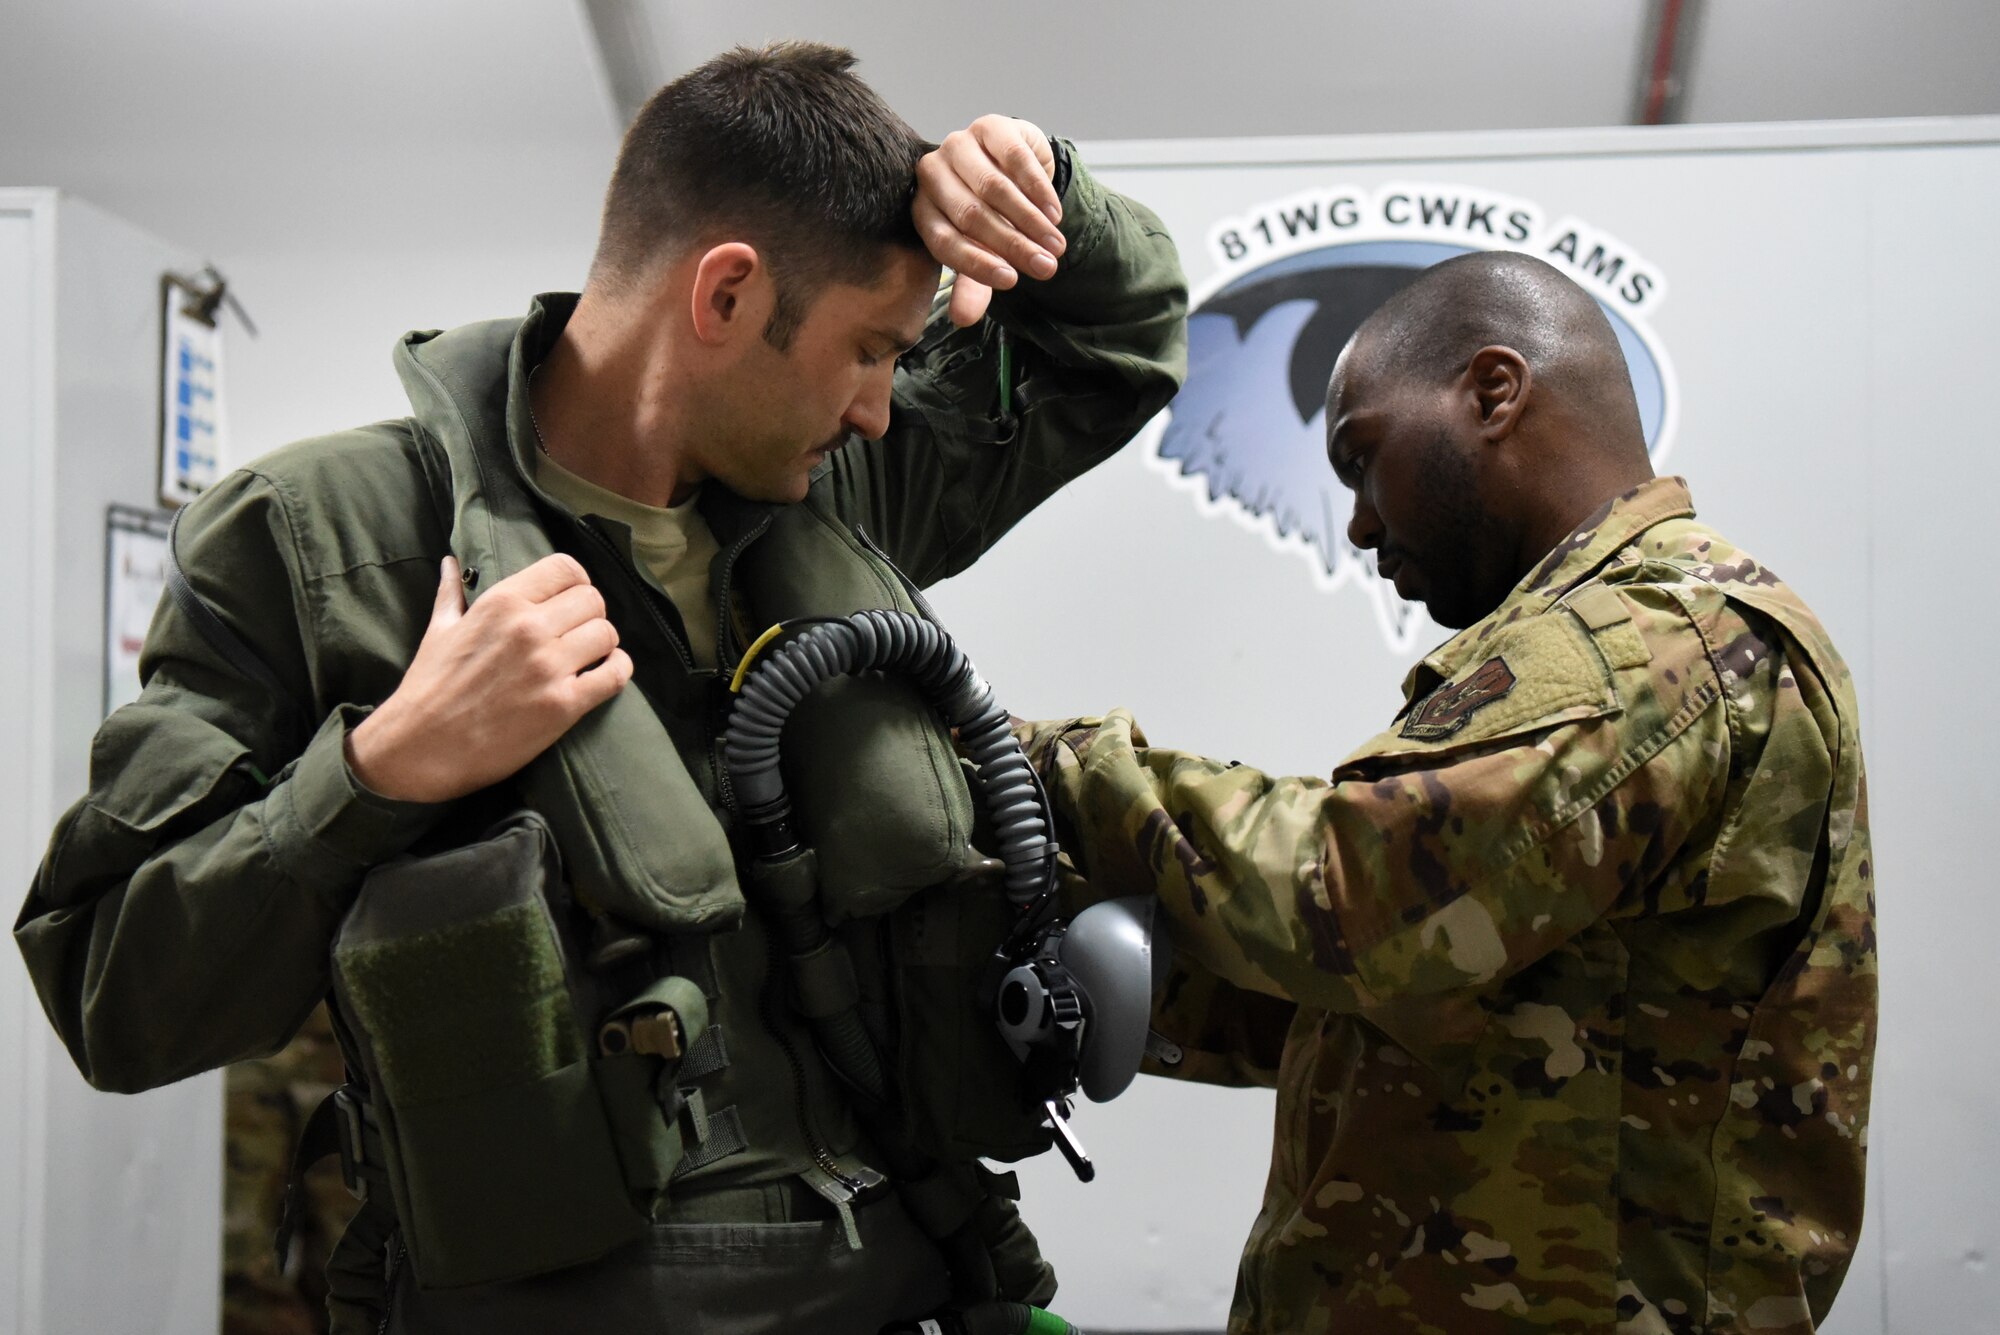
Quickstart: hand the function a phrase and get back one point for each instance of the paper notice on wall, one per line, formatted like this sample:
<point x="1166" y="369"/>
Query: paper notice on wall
<point x="191" y="419"/>
<point x="135" y="570"/>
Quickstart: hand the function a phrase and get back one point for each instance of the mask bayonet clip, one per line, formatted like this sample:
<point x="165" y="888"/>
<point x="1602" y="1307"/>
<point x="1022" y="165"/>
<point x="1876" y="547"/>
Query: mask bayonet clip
<point x="1066" y="1141"/>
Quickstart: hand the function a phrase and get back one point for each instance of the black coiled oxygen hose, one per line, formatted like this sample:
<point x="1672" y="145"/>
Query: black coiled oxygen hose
<point x="889" y="641"/>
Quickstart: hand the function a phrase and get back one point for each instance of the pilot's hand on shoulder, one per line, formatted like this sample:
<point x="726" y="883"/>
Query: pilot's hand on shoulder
<point x="493" y="686"/>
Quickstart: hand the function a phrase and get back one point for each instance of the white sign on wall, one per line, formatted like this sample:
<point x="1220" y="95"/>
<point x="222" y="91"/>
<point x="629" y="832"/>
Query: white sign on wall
<point x="1246" y="437"/>
<point x="135" y="573"/>
<point x="191" y="420"/>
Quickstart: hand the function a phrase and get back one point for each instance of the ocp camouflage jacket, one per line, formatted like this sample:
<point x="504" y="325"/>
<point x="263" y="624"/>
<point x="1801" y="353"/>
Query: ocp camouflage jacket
<point x="1566" y="980"/>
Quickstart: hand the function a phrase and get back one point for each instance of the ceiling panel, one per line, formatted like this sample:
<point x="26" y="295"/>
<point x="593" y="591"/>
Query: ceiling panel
<point x="1171" y="68"/>
<point x="233" y="121"/>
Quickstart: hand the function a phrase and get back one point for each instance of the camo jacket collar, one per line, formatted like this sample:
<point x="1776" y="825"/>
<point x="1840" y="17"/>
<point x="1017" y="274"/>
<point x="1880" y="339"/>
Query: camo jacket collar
<point x="1616" y="525"/>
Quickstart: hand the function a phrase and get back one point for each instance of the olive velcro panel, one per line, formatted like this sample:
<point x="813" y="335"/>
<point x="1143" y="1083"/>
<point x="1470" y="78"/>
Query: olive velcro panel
<point x="960" y="1085"/>
<point x="428" y="999"/>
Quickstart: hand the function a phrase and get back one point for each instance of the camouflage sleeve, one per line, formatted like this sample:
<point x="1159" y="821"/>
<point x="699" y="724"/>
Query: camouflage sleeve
<point x="1216" y="1033"/>
<point x="1213" y="1032"/>
<point x="1089" y="355"/>
<point x="1429" y="863"/>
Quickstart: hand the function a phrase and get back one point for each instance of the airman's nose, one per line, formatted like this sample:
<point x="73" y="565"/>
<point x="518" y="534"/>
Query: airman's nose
<point x="1364" y="530"/>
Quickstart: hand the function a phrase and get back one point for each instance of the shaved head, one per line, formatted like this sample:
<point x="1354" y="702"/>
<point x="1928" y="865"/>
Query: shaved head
<point x="1479" y="415"/>
<point x="1433" y="327"/>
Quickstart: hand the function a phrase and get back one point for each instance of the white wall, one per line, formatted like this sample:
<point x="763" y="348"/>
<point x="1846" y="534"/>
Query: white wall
<point x="328" y="318"/>
<point x="1931" y="341"/>
<point x="27" y="290"/>
<point x="83" y="1176"/>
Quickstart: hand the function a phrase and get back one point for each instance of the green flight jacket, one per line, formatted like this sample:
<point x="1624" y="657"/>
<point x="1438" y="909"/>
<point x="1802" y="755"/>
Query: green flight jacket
<point x="182" y="916"/>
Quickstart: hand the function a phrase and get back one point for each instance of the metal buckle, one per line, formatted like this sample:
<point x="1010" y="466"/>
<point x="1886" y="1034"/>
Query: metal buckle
<point x="350" y="1111"/>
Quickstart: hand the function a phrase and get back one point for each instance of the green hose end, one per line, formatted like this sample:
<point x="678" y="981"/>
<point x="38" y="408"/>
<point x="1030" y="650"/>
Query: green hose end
<point x="1048" y="1323"/>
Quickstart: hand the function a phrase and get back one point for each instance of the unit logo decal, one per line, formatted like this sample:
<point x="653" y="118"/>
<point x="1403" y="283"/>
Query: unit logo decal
<point x="1246" y="437"/>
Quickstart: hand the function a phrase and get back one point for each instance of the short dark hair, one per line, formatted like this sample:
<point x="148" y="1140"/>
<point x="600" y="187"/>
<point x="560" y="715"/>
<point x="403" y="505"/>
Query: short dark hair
<point x="781" y="146"/>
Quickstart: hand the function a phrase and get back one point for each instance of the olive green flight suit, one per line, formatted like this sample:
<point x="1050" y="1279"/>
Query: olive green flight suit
<point x="182" y="917"/>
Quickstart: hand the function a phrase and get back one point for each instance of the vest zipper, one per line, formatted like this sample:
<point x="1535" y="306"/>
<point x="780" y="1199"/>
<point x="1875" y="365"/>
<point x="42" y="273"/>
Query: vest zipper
<point x="723" y="635"/>
<point x="724" y="789"/>
<point x="923" y="604"/>
<point x="646" y="595"/>
<point x="389" y="1281"/>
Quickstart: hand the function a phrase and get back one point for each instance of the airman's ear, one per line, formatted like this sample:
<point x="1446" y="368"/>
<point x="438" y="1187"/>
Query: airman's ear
<point x="1499" y="381"/>
<point x="731" y="292"/>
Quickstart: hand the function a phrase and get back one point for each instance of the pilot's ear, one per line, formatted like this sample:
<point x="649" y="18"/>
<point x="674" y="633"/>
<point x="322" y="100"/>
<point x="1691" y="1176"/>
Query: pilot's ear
<point x="730" y="292"/>
<point x="1499" y="380"/>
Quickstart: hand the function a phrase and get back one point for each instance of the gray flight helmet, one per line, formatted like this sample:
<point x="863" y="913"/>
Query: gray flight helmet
<point x="1118" y="952"/>
<point x="1087" y="992"/>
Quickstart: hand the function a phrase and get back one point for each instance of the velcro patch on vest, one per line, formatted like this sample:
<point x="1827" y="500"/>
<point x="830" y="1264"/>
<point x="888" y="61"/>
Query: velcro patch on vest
<point x="1448" y="708"/>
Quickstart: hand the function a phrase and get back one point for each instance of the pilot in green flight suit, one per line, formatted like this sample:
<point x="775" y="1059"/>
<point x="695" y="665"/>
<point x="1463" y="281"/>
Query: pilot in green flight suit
<point x="536" y="585"/>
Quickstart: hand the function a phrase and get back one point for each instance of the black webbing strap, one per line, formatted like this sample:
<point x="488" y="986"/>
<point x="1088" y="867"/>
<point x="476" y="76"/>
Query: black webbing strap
<point x="339" y="1125"/>
<point x="708" y="1055"/>
<point x="319" y="1139"/>
<point x="725" y="1137"/>
<point x="714" y="1135"/>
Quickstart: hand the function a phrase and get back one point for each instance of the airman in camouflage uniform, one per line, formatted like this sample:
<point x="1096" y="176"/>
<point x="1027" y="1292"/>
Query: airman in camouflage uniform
<point x="1566" y="980"/>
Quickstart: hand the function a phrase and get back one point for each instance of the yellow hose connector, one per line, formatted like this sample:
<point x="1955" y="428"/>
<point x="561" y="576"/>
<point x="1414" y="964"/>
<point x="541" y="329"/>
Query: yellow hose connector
<point x="750" y="656"/>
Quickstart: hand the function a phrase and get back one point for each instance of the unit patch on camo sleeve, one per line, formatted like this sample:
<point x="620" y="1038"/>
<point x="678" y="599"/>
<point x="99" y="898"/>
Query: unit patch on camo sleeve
<point x="1448" y="708"/>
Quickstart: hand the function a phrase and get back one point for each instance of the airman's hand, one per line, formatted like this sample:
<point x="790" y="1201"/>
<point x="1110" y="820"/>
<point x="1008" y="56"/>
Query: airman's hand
<point x="493" y="687"/>
<point x="986" y="208"/>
